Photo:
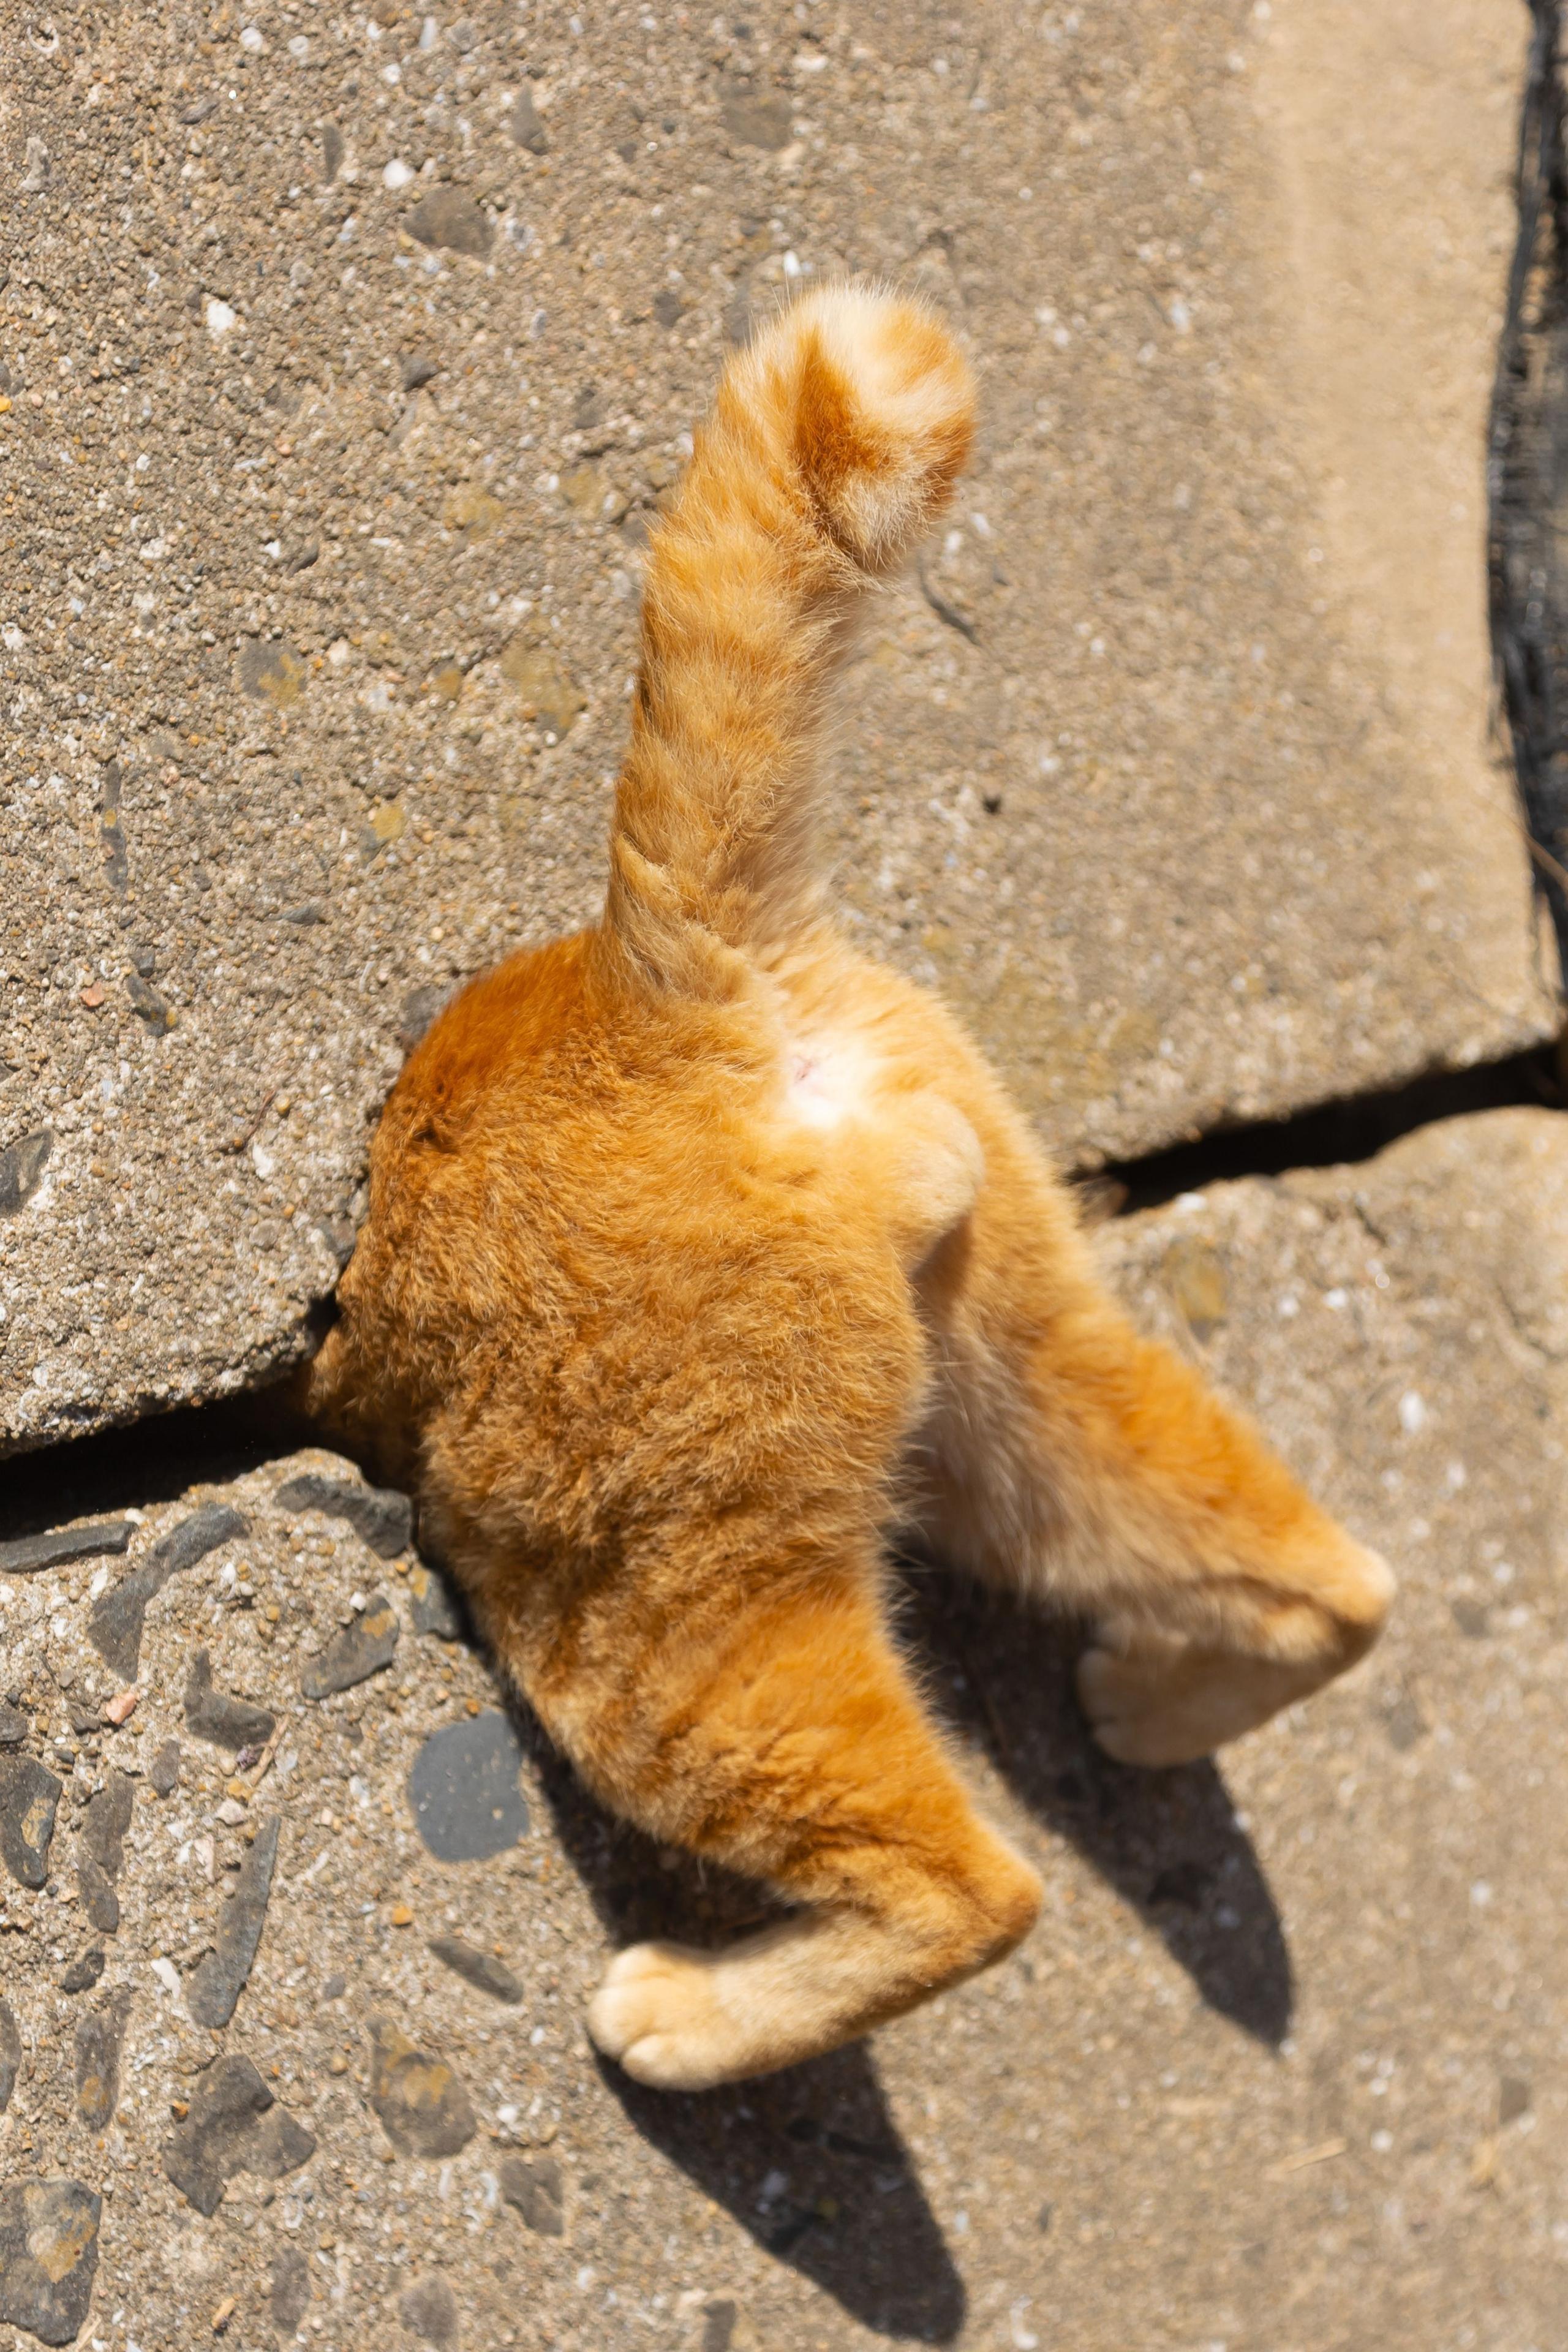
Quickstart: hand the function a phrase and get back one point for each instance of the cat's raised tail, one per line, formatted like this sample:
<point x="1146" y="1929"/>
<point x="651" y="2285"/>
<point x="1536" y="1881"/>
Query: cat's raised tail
<point x="835" y="438"/>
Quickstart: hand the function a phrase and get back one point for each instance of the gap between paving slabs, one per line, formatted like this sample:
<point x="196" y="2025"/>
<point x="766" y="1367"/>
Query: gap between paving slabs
<point x="162" y="1457"/>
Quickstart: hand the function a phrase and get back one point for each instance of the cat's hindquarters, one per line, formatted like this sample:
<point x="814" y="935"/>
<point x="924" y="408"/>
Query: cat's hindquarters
<point x="834" y="442"/>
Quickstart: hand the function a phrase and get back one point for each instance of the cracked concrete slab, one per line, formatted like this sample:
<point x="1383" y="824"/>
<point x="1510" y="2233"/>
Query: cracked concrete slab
<point x="342" y="368"/>
<point x="1281" y="2066"/>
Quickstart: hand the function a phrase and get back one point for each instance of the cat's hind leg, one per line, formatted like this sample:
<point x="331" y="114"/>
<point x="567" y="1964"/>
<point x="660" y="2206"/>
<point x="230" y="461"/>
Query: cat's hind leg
<point x="794" y="1751"/>
<point x="1078" y="1462"/>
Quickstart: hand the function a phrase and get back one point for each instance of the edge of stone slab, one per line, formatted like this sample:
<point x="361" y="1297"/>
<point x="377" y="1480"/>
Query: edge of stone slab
<point x="237" y="1390"/>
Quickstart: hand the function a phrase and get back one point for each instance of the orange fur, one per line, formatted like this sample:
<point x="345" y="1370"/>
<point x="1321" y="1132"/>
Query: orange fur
<point x="703" y="1255"/>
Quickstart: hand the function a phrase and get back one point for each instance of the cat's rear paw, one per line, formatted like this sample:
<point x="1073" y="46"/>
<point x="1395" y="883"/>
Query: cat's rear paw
<point x="656" y="2015"/>
<point x="1164" y="1705"/>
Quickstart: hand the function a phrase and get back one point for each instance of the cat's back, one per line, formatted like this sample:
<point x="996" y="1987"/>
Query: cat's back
<point x="554" y="1139"/>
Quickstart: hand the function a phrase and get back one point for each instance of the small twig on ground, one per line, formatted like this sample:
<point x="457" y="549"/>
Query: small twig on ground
<point x="1306" y="2156"/>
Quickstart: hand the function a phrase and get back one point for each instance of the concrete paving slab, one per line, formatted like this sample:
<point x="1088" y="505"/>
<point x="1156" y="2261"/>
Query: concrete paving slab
<point x="344" y="361"/>
<point x="1282" y="2067"/>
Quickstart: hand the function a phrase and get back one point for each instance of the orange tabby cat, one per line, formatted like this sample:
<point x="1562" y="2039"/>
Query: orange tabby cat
<point x="703" y="1257"/>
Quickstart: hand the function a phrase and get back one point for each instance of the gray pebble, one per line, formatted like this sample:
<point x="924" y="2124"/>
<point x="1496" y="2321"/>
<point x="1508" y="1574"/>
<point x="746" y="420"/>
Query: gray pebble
<point x="215" y="1714"/>
<point x="481" y="1970"/>
<point x="233" y="2127"/>
<point x="214" y="1984"/>
<point x="112" y="832"/>
<point x="103" y="1827"/>
<point x="105" y="1821"/>
<point x="164" y="1772"/>
<point x="99" y="2038"/>
<point x="450" y="218"/>
<point x="1513" y="2099"/>
<point x="300" y="553"/>
<point x="193" y="1538"/>
<point x="534" y="2190"/>
<point x="436" y="1607"/>
<point x="720" y="2324"/>
<point x="10" y="2054"/>
<point x="668" y="307"/>
<point x="463" y="1789"/>
<point x="429" y="2311"/>
<point x="381" y="1516"/>
<point x="419" y="2099"/>
<point x="22" y="1168"/>
<point x="417" y="370"/>
<point x="362" y="1649"/>
<point x="115" y="1622"/>
<point x="28" y="1795"/>
<point x="28" y="1554"/>
<point x="289" y="2289"/>
<point x="1404" y="1722"/>
<point x="99" y="1899"/>
<point x="153" y="1009"/>
<point x="48" y="2257"/>
<point x="524" y="125"/>
<point x="331" y="152"/>
<point x="753" y="117"/>
<point x="83" y="1974"/>
<point x="13" y="1727"/>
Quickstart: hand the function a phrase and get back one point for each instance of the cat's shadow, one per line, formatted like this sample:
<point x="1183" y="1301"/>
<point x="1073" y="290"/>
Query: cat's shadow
<point x="809" y="2161"/>
<point x="1169" y="1842"/>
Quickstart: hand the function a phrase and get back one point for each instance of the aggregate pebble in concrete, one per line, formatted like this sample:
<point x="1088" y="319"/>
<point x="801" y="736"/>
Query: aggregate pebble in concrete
<point x="117" y="1615"/>
<point x="531" y="2186"/>
<point x="10" y="2054"/>
<point x="429" y="2313"/>
<point x="480" y="1969"/>
<point x="83" y="1973"/>
<point x="48" y="2255"/>
<point x="288" y="2297"/>
<point x="105" y="1819"/>
<point x="25" y="1555"/>
<point x="364" y="1647"/>
<point x="419" y="2099"/>
<point x="218" y="1716"/>
<point x="436" y="1607"/>
<point x="465" y="1792"/>
<point x="97" y="2045"/>
<point x="347" y="371"/>
<point x="382" y="1518"/>
<point x="232" y="2125"/>
<point x="218" y="1979"/>
<point x="29" y="1794"/>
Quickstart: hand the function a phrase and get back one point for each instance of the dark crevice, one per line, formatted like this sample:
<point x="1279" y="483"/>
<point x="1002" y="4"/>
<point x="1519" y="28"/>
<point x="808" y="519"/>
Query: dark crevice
<point x="1527" y="476"/>
<point x="153" y="1461"/>
<point x="1354" y="1128"/>
<point x="158" y="1459"/>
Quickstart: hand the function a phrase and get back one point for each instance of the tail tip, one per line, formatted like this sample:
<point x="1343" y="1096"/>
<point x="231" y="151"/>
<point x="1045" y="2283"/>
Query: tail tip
<point x="883" y="415"/>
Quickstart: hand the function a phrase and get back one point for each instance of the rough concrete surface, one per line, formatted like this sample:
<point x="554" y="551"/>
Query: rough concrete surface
<point x="1282" y="2069"/>
<point x="344" y="360"/>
